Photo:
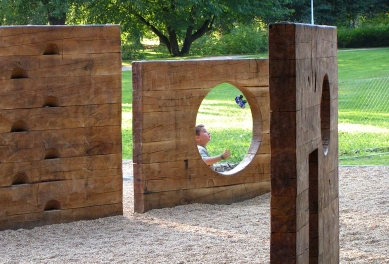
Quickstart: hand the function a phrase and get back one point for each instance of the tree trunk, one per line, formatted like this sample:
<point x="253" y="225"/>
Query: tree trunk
<point x="190" y="38"/>
<point x="174" y="48"/>
<point x="57" y="21"/>
<point x="186" y="47"/>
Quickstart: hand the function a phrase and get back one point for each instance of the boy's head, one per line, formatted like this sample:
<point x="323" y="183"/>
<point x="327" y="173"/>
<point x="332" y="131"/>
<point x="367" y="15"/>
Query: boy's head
<point x="202" y="135"/>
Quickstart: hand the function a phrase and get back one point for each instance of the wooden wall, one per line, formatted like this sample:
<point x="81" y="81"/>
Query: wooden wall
<point x="168" y="169"/>
<point x="304" y="143"/>
<point x="60" y="124"/>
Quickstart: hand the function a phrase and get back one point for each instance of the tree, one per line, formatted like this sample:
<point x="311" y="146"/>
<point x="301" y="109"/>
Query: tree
<point x="36" y="12"/>
<point x="335" y="12"/>
<point x="181" y="22"/>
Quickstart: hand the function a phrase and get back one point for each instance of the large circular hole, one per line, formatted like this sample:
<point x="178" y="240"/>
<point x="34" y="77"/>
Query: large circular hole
<point x="325" y="114"/>
<point x="226" y="113"/>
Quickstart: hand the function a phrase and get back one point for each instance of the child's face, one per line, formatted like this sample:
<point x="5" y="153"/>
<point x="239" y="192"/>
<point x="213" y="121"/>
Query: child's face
<point x="204" y="137"/>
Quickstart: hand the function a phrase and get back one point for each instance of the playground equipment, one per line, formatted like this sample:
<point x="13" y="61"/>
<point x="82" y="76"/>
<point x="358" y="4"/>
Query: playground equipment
<point x="60" y="124"/>
<point x="60" y="132"/>
<point x="293" y="99"/>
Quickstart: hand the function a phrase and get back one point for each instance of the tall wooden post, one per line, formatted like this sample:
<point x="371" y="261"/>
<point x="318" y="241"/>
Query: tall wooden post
<point x="304" y="143"/>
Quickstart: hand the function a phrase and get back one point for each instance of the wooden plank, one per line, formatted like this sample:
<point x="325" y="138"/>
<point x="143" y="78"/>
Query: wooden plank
<point x="161" y="177"/>
<point x="303" y="248"/>
<point x="58" y="66"/>
<point x="303" y="210"/>
<point x="53" y="118"/>
<point x="37" y="145"/>
<point x="137" y="116"/>
<point x="31" y="220"/>
<point x="204" y="74"/>
<point x="283" y="213"/>
<point x="18" y="200"/>
<point x="81" y="192"/>
<point x="282" y="42"/>
<point x="283" y="248"/>
<point x="218" y="195"/>
<point x="32" y="198"/>
<point x="78" y="90"/>
<point x="69" y="39"/>
<point x="284" y="126"/>
<point x="72" y="168"/>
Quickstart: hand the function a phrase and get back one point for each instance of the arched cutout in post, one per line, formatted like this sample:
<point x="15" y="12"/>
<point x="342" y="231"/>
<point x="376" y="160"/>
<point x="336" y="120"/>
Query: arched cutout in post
<point x="325" y="115"/>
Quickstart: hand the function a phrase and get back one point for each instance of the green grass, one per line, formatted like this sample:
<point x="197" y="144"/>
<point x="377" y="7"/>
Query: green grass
<point x="363" y="108"/>
<point x="370" y="160"/>
<point x="360" y="64"/>
<point x="363" y="133"/>
<point x="230" y="126"/>
<point x="127" y="114"/>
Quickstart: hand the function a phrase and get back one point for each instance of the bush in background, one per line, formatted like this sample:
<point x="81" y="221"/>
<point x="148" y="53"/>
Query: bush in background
<point x="243" y="39"/>
<point x="132" y="51"/>
<point x="364" y="37"/>
<point x="370" y="33"/>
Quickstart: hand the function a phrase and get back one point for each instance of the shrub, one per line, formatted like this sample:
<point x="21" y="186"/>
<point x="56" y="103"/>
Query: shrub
<point x="364" y="37"/>
<point x="206" y="45"/>
<point x="244" y="39"/>
<point x="131" y="51"/>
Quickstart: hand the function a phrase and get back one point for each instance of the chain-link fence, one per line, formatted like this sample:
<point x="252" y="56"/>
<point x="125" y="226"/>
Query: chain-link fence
<point x="364" y="119"/>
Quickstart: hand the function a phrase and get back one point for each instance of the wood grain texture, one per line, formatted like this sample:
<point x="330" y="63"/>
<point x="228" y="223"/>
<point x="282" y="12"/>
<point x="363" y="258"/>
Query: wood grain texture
<point x="33" y="40"/>
<point x="168" y="169"/>
<point x="57" y="118"/>
<point x="72" y="168"/>
<point x="303" y="104"/>
<point x="60" y="124"/>
<point x="36" y="145"/>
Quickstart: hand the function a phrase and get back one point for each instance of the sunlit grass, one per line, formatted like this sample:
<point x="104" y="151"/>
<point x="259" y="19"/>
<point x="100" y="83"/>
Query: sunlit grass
<point x="127" y="114"/>
<point x="359" y="64"/>
<point x="230" y="126"/>
<point x="360" y="143"/>
<point x="370" y="160"/>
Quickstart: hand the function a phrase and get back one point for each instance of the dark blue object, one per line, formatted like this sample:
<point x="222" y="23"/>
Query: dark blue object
<point x="239" y="100"/>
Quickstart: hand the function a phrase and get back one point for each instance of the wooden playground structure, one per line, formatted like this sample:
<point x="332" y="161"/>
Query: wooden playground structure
<point x="60" y="126"/>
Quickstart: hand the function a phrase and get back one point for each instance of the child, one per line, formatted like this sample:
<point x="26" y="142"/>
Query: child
<point x="202" y="139"/>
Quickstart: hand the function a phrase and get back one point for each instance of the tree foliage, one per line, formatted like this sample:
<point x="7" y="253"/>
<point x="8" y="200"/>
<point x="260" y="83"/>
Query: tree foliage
<point x="178" y="23"/>
<point x="36" y="12"/>
<point x="336" y="12"/>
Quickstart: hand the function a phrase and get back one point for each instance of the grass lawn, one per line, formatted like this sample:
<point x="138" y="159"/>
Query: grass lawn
<point x="230" y="126"/>
<point x="363" y="108"/>
<point x="363" y="114"/>
<point x="127" y="114"/>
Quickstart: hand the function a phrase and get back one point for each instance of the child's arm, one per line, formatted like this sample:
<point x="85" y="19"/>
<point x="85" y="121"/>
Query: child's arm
<point x="212" y="160"/>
